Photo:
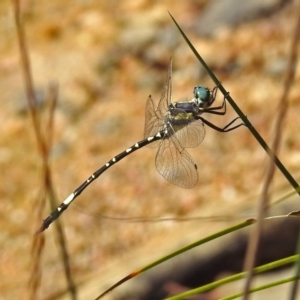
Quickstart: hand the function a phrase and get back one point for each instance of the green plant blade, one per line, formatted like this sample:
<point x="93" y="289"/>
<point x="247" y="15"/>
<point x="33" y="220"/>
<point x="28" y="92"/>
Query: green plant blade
<point x="235" y="277"/>
<point x="180" y="251"/>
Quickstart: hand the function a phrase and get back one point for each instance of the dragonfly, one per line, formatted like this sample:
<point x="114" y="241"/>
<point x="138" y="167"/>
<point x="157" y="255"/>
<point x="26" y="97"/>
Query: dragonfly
<point x="171" y="127"/>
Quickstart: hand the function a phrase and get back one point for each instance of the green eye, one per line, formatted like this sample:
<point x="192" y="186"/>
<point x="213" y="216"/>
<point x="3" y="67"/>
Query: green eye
<point x="201" y="93"/>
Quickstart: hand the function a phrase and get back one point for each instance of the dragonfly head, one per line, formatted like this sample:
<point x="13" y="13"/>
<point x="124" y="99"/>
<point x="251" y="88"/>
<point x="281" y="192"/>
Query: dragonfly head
<point x="204" y="98"/>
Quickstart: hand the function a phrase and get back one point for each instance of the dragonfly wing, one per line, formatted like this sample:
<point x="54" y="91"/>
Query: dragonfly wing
<point x="155" y="115"/>
<point x="166" y="95"/>
<point x="175" y="164"/>
<point x="153" y="124"/>
<point x="191" y="135"/>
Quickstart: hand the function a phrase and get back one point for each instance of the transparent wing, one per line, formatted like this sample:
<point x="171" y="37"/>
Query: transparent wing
<point x="166" y="95"/>
<point x="153" y="123"/>
<point x="175" y="164"/>
<point x="191" y="135"/>
<point x="154" y="116"/>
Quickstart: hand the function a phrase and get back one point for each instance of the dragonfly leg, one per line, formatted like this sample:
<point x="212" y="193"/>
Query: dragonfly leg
<point x="212" y="110"/>
<point x="225" y="128"/>
<point x="215" y="90"/>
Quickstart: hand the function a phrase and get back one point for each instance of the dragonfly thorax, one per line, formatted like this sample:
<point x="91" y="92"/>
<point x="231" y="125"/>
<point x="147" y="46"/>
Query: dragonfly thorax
<point x="183" y="107"/>
<point x="179" y="115"/>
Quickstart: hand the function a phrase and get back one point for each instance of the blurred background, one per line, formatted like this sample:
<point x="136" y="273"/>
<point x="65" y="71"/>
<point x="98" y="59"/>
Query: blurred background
<point x="107" y="57"/>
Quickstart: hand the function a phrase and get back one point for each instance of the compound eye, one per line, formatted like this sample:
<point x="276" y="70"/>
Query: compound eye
<point x="202" y="93"/>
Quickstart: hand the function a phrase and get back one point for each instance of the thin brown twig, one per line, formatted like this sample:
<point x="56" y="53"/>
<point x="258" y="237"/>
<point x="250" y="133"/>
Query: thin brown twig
<point x="279" y="124"/>
<point x="38" y="243"/>
<point x="44" y="142"/>
<point x="27" y="75"/>
<point x="52" y="101"/>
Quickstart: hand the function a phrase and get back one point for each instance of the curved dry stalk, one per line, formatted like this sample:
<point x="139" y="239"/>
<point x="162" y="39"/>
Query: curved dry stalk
<point x="264" y="199"/>
<point x="44" y="143"/>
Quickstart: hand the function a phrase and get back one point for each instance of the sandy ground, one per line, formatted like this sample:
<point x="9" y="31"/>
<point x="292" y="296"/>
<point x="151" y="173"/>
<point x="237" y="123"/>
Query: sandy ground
<point x="107" y="59"/>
